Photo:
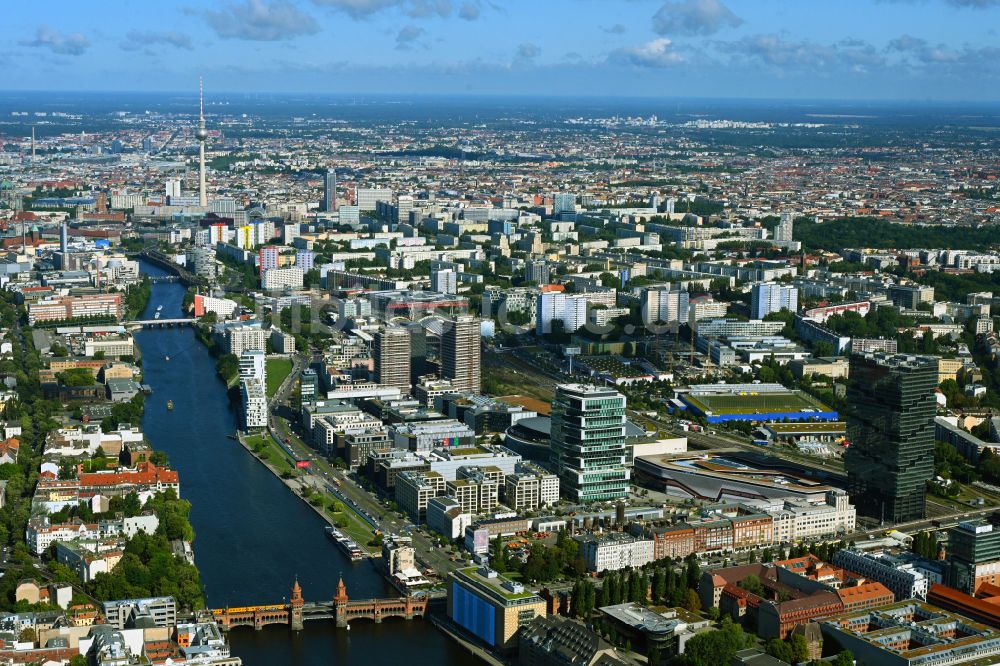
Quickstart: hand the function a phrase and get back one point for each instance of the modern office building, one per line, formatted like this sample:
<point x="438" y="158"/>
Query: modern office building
<point x="202" y="262"/>
<point x="281" y="342"/>
<point x="491" y="607"/>
<point x="391" y="353"/>
<point x="890" y="425"/>
<point x="461" y="354"/>
<point x="368" y="198"/>
<point x="444" y="281"/>
<point x="253" y="365"/>
<point x="523" y="491"/>
<point x="240" y="337"/>
<point x="769" y="297"/>
<point x="563" y="203"/>
<point x="329" y="191"/>
<point x="909" y="296"/>
<point x="158" y="611"/>
<point x="445" y="516"/>
<point x="75" y="307"/>
<point x="254" y="404"/>
<point x="475" y="493"/>
<point x="588" y="442"/>
<point x="415" y="489"/>
<point x="974" y="555"/>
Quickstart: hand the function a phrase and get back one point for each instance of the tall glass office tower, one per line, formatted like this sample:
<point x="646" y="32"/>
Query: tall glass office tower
<point x="890" y="430"/>
<point x="330" y="191"/>
<point x="588" y="442"/>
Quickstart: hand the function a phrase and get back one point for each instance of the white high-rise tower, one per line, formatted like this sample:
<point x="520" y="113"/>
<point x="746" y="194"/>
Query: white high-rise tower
<point x="201" y="134"/>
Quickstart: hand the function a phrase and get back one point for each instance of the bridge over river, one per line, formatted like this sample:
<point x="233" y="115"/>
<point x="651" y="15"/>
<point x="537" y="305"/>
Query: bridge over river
<point x="341" y="610"/>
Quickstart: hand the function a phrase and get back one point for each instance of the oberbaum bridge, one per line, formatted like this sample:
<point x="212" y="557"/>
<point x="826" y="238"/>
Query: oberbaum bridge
<point x="341" y="610"/>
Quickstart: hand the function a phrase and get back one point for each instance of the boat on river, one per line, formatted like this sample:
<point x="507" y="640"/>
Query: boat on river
<point x="170" y="404"/>
<point x="346" y="543"/>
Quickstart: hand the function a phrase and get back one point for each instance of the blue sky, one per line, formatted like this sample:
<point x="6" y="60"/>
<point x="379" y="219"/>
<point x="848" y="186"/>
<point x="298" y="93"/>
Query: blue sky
<point x="843" y="49"/>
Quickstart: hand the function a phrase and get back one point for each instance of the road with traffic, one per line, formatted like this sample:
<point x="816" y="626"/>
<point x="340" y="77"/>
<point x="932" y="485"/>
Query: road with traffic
<point x="322" y="474"/>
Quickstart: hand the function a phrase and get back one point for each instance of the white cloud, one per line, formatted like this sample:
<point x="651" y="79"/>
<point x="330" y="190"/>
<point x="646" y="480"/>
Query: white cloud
<point x="58" y="42"/>
<point x="136" y="40"/>
<point x="407" y="36"/>
<point x="694" y="17"/>
<point x="362" y="9"/>
<point x="260" y="20"/>
<point x="657" y="53"/>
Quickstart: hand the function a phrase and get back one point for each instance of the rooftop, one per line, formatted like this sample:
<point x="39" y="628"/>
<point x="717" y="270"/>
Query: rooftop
<point x="643" y="619"/>
<point x="494" y="585"/>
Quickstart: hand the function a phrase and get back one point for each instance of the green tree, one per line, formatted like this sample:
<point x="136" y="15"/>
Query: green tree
<point x="659" y="584"/>
<point x="715" y="648"/>
<point x="692" y="602"/>
<point x="76" y="377"/>
<point x="844" y="658"/>
<point x="692" y="571"/>
<point x="779" y="649"/>
<point x="800" y="648"/>
<point x="752" y="584"/>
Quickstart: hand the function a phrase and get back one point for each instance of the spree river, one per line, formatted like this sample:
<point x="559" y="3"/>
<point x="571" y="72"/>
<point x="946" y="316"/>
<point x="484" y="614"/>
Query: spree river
<point x="253" y="537"/>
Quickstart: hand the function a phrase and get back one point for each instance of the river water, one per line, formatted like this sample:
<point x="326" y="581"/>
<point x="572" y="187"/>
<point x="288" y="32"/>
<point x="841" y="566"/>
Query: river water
<point x="253" y="536"/>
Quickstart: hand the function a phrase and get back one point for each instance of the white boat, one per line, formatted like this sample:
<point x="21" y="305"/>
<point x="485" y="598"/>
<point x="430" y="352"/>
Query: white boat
<point x="346" y="543"/>
<point x="159" y="307"/>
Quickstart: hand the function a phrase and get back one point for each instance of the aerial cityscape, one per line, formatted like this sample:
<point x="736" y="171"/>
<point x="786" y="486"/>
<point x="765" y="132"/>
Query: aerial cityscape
<point x="585" y="333"/>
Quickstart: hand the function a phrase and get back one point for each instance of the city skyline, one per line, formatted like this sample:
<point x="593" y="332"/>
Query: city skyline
<point x="860" y="49"/>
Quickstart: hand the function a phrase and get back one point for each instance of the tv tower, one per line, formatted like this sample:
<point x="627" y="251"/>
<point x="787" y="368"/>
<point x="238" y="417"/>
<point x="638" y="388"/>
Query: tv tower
<point x="201" y="134"/>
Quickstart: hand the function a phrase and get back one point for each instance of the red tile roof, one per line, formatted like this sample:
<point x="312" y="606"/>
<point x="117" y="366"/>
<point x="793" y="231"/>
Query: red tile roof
<point x="146" y="473"/>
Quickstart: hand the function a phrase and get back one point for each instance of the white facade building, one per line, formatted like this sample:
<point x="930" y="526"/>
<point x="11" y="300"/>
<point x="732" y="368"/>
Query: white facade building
<point x="768" y="297"/>
<point x="282" y="278"/>
<point x="254" y="404"/>
<point x="614" y="551"/>
<point x="444" y="281"/>
<point x="253" y="365"/>
<point x="571" y="310"/>
<point x="445" y="516"/>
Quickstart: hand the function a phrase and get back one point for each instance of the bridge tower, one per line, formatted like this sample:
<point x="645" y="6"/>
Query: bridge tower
<point x="295" y="607"/>
<point x="340" y="604"/>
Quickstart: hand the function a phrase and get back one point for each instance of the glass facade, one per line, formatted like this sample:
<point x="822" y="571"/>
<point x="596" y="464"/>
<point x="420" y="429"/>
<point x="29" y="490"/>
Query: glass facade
<point x="970" y="544"/>
<point x="890" y="428"/>
<point x="473" y="614"/>
<point x="588" y="443"/>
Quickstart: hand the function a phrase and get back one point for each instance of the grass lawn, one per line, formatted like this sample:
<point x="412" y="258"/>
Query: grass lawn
<point x="357" y="528"/>
<point x="277" y="370"/>
<point x="271" y="452"/>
